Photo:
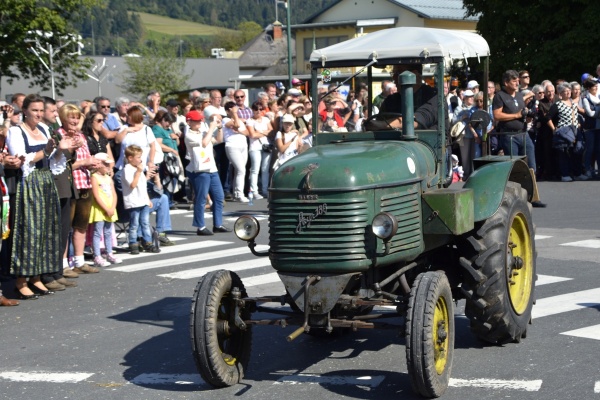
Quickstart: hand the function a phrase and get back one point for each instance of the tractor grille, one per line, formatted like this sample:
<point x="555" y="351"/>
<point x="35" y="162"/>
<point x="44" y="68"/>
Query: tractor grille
<point x="329" y="232"/>
<point x="406" y="207"/>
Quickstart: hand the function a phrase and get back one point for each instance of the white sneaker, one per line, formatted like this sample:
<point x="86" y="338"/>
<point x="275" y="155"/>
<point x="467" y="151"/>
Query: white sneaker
<point x="242" y="199"/>
<point x="112" y="259"/>
<point x="581" y="177"/>
<point x="100" y="262"/>
<point x="257" y="196"/>
<point x="566" y="179"/>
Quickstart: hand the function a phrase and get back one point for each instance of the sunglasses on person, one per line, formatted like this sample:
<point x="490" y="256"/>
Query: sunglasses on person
<point x="239" y="97"/>
<point x="99" y="120"/>
<point x="525" y="76"/>
<point x="104" y="106"/>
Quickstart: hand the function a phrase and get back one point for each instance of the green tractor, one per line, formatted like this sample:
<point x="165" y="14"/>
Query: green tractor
<point x="365" y="220"/>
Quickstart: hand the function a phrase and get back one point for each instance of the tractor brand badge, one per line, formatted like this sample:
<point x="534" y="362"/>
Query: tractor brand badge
<point x="411" y="165"/>
<point x="326" y="75"/>
<point x="304" y="220"/>
<point x="307" y="172"/>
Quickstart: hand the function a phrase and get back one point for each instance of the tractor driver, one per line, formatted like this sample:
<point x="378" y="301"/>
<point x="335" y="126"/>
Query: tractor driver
<point x="422" y="93"/>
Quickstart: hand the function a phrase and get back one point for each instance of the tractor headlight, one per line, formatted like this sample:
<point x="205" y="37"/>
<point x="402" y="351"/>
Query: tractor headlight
<point x="384" y="225"/>
<point x="246" y="228"/>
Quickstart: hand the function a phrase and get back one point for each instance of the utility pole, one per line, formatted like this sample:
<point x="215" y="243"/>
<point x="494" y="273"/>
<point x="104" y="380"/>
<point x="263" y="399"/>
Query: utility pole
<point x="288" y="24"/>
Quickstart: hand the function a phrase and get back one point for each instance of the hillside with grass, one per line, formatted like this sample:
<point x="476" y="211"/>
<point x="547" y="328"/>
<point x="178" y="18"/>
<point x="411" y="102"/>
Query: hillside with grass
<point x="189" y="27"/>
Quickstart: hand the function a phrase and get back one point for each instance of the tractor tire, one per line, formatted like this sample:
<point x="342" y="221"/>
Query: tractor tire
<point x="430" y="334"/>
<point x="221" y="350"/>
<point x="500" y="270"/>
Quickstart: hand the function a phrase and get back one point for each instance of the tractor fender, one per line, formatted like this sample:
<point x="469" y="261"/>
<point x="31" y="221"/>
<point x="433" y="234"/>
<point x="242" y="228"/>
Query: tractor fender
<point x="489" y="180"/>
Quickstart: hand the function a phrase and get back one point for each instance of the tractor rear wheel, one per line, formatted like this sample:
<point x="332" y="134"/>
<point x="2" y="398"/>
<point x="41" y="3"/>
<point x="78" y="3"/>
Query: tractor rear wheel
<point x="499" y="266"/>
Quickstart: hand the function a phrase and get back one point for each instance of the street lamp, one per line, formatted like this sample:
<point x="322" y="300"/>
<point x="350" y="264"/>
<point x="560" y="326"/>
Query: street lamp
<point x="50" y="50"/>
<point x="289" y="35"/>
<point x="98" y="71"/>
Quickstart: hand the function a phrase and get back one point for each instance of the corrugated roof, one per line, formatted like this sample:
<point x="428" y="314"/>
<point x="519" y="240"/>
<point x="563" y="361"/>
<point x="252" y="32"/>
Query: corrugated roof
<point x="437" y="9"/>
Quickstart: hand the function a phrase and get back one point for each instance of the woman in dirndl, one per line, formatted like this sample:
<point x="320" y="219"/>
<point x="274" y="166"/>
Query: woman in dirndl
<point x="36" y="248"/>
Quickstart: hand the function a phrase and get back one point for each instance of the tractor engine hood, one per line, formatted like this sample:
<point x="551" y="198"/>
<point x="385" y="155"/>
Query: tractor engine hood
<point x="355" y="166"/>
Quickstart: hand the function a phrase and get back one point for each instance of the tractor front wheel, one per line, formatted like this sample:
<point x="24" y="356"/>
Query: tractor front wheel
<point x="430" y="334"/>
<point x="220" y="346"/>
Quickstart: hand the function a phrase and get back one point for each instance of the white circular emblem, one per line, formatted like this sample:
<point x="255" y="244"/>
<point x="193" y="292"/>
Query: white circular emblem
<point x="411" y="165"/>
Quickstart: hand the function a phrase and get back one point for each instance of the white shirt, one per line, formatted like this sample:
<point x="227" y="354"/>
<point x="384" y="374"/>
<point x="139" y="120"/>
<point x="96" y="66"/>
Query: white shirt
<point x="141" y="138"/>
<point x="138" y="196"/>
<point x="261" y="124"/>
<point x="194" y="139"/>
<point x="233" y="138"/>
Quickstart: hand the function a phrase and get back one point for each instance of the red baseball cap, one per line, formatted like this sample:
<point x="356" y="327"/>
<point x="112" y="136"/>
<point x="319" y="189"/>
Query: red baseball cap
<point x="194" y="115"/>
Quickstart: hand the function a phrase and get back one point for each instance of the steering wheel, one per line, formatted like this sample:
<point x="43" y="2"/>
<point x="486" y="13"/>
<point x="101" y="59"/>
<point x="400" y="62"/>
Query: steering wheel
<point x="380" y="121"/>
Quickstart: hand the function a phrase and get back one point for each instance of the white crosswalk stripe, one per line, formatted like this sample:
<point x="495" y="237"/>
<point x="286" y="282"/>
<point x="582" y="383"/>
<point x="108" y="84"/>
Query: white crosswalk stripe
<point x="589" y="332"/>
<point x="566" y="302"/>
<point x="199" y="257"/>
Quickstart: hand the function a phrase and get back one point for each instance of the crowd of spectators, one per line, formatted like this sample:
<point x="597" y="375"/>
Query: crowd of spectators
<point x="558" y="124"/>
<point x="70" y="171"/>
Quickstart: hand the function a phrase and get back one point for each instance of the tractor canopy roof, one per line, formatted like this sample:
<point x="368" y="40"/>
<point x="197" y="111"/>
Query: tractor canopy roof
<point x="397" y="45"/>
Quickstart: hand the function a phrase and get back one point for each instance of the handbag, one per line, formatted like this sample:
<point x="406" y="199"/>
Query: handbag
<point x="564" y="136"/>
<point x="202" y="159"/>
<point x="266" y="147"/>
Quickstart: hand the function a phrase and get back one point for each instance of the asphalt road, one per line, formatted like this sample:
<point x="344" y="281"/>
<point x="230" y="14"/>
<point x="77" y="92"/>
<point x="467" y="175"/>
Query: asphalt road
<point x="124" y="333"/>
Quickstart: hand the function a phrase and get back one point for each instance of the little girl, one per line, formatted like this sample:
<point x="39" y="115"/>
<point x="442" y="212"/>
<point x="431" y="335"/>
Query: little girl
<point x="104" y="210"/>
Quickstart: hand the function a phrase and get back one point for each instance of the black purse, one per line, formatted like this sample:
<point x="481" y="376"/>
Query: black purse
<point x="267" y="147"/>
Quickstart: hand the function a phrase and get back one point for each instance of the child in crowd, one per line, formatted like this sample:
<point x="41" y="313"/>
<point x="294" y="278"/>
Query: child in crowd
<point x="104" y="210"/>
<point x="457" y="170"/>
<point x="136" y="200"/>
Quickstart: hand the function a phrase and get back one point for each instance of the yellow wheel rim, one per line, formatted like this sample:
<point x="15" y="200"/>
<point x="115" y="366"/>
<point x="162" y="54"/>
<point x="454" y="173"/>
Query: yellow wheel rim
<point x="441" y="325"/>
<point x="519" y="264"/>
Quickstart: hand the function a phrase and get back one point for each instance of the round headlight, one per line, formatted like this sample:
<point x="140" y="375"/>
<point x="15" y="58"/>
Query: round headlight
<point x="384" y="225"/>
<point x="246" y="227"/>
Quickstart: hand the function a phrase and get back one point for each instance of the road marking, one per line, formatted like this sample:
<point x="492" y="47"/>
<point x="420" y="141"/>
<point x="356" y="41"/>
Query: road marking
<point x="597" y="387"/>
<point x="261" y="279"/>
<point x="548" y="279"/>
<point x="372" y="381"/>
<point x="177" y="212"/>
<point x="540" y="237"/>
<point x="175" y="249"/>
<point x="235" y="266"/>
<point x="566" y="302"/>
<point x="178" y="261"/>
<point x="529" y="386"/>
<point x="589" y="332"/>
<point x="591" y="244"/>
<point x="56" y="377"/>
<point x="175" y="239"/>
<point x="168" y="379"/>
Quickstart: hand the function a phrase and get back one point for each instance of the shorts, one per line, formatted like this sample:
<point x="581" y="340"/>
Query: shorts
<point x="80" y="210"/>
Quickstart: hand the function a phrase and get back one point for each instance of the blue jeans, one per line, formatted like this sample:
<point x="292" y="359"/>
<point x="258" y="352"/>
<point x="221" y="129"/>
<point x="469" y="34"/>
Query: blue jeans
<point x="259" y="162"/>
<point x="139" y="216"/>
<point x="100" y="228"/>
<point x="163" y="217"/>
<point x="207" y="183"/>
<point x="513" y="145"/>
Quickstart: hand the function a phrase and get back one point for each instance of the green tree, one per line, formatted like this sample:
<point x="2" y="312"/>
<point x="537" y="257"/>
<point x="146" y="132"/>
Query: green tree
<point x="52" y="20"/>
<point x="157" y="69"/>
<point x="551" y="38"/>
<point x="249" y="30"/>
